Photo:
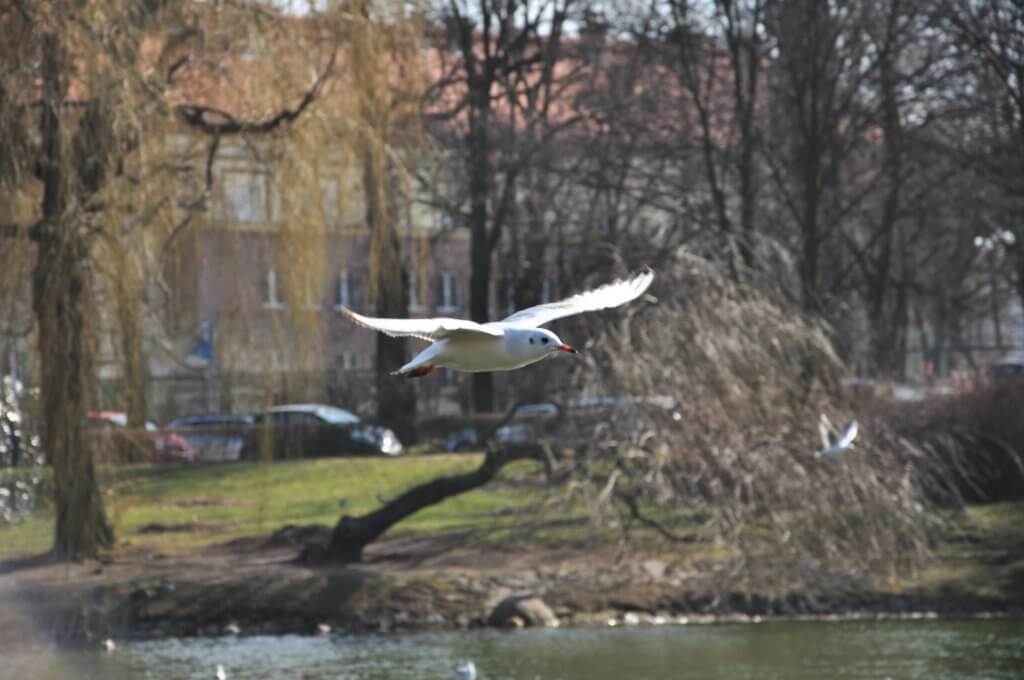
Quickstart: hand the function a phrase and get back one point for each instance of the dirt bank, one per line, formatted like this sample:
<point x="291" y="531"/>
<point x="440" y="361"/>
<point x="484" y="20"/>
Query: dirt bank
<point x="255" y="586"/>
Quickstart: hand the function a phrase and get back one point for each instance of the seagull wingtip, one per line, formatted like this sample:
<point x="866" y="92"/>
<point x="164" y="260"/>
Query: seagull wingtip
<point x="644" y="277"/>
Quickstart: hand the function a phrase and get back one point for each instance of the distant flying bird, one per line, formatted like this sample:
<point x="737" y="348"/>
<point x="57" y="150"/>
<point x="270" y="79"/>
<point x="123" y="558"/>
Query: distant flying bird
<point x="221" y="674"/>
<point x="833" y="442"/>
<point x="505" y="345"/>
<point x="466" y="671"/>
<point x="108" y="645"/>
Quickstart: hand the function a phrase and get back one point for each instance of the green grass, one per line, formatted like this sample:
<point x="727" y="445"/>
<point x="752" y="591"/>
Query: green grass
<point x="228" y="501"/>
<point x="983" y="555"/>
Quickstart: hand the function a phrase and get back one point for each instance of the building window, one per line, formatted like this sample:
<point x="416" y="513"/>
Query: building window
<point x="415" y="303"/>
<point x="356" y="361"/>
<point x="271" y="292"/>
<point x="447" y="292"/>
<point x="329" y="200"/>
<point x="349" y="292"/>
<point x="246" y="197"/>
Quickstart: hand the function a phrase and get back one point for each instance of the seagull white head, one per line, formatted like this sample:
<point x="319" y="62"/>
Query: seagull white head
<point x="537" y="343"/>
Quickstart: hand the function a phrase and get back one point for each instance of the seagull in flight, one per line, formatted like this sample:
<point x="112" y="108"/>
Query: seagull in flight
<point x="834" y="442"/>
<point x="513" y="342"/>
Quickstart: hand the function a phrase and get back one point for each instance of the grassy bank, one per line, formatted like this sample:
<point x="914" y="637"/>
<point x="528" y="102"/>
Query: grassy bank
<point x="178" y="509"/>
<point x="177" y="569"/>
<point x="182" y="507"/>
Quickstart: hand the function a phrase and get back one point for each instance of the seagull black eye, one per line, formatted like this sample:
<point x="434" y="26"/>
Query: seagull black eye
<point x="531" y="341"/>
<point x="544" y="340"/>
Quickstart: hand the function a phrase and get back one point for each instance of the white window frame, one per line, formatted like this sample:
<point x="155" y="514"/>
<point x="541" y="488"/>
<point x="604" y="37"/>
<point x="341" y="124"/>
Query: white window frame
<point x="449" y="285"/>
<point x="344" y="290"/>
<point x="357" y="361"/>
<point x="252" y="204"/>
<point x="415" y="304"/>
<point x="273" y="297"/>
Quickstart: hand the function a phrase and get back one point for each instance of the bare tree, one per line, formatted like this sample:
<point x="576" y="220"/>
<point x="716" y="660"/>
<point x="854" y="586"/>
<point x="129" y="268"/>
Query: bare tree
<point x="718" y="55"/>
<point x="990" y="34"/>
<point x="493" y="106"/>
<point x="818" y="121"/>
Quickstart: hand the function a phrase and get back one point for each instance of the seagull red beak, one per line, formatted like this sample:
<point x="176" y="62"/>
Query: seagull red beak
<point x="568" y="348"/>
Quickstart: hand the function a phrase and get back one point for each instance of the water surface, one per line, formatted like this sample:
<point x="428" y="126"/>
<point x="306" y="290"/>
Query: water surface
<point x="858" y="650"/>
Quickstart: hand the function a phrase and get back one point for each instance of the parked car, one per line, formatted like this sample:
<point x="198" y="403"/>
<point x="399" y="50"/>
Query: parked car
<point x="661" y="401"/>
<point x="157" y="445"/>
<point x="519" y="430"/>
<point x="1006" y="371"/>
<point x="214" y="437"/>
<point x="210" y="421"/>
<point x="313" y="430"/>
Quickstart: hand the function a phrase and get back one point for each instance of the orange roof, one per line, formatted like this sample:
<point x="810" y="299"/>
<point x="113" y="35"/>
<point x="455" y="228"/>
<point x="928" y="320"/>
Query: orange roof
<point x="254" y="82"/>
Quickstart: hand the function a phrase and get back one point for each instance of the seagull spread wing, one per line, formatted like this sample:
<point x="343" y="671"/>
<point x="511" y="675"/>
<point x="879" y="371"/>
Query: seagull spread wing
<point x="848" y="436"/>
<point x="827" y="432"/>
<point x="609" y="295"/>
<point x="427" y="329"/>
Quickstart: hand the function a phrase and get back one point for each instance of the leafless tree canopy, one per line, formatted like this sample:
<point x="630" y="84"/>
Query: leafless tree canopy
<point x="826" y="189"/>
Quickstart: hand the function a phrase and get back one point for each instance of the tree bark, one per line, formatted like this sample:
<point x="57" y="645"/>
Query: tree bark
<point x="396" y="398"/>
<point x="371" y="60"/>
<point x="59" y="301"/>
<point x="60" y="298"/>
<point x="129" y="320"/>
<point x="482" y="238"/>
<point x="352" y="534"/>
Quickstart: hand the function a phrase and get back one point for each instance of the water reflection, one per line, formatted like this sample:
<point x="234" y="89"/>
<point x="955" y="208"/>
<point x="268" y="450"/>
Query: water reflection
<point x="936" y="650"/>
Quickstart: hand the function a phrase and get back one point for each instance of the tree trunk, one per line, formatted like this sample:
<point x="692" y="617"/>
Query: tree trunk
<point x="479" y="294"/>
<point x="396" y="397"/>
<point x="352" y="534"/>
<point x="59" y="290"/>
<point x="129" y="317"/>
<point x="883" y="319"/>
<point x="482" y="241"/>
<point x="59" y="300"/>
<point x="371" y="63"/>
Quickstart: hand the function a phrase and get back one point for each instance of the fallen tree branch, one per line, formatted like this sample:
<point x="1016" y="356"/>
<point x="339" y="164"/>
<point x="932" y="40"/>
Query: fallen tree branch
<point x="631" y="503"/>
<point x="352" y="534"/>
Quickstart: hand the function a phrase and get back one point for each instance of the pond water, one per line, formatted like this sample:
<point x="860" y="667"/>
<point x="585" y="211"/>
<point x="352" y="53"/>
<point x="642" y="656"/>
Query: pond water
<point x="936" y="650"/>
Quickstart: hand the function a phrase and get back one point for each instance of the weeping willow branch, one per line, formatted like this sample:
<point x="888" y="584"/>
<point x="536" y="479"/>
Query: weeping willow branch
<point x="199" y="116"/>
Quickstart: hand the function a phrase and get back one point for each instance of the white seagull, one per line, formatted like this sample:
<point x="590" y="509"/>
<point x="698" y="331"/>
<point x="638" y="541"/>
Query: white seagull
<point x="832" y="442"/>
<point x="513" y="342"/>
<point x="466" y="671"/>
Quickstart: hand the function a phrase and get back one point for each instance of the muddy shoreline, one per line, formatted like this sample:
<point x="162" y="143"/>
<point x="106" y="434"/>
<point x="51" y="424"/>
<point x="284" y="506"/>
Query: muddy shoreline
<point x="156" y="598"/>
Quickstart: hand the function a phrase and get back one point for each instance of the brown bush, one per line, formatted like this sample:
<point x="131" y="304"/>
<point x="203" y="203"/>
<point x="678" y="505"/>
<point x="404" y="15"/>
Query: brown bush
<point x="976" y="436"/>
<point x="734" y="462"/>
